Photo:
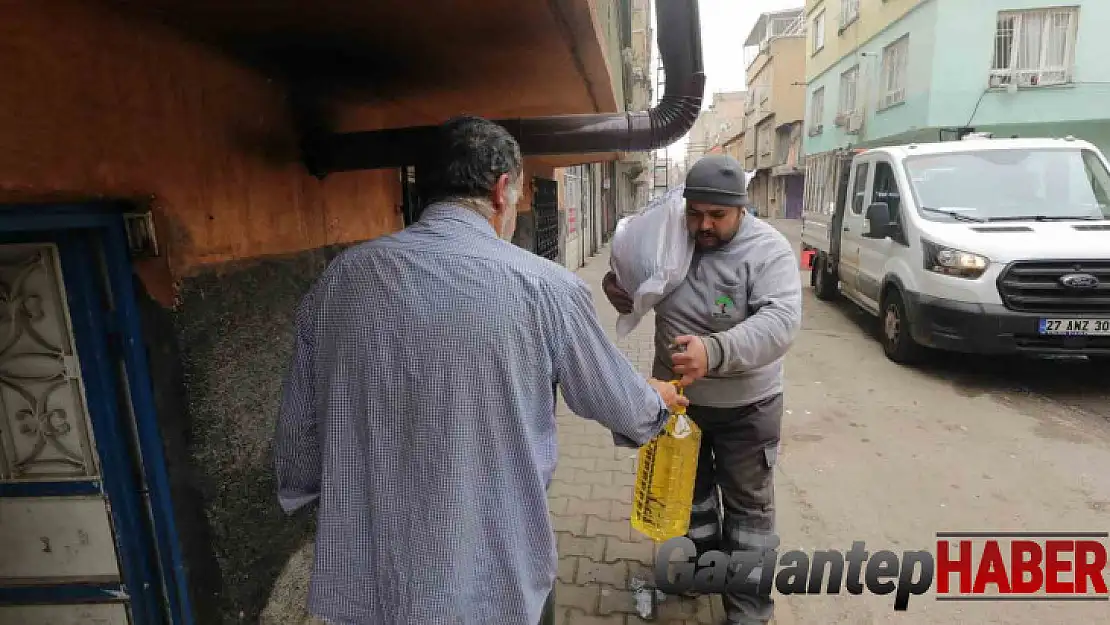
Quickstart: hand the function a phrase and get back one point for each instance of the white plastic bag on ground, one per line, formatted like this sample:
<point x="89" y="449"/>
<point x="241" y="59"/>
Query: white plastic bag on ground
<point x="651" y="254"/>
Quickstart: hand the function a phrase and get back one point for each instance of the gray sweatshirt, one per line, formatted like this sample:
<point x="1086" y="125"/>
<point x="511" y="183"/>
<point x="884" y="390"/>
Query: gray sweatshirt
<point x="745" y="301"/>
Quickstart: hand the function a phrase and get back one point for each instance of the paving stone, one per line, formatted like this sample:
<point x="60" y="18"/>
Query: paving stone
<point x="584" y="598"/>
<point x="613" y="601"/>
<point x="577" y="451"/>
<point x="641" y="551"/>
<point x="575" y="426"/>
<point x="624" y="453"/>
<point x="614" y="493"/>
<point x="575" y="525"/>
<point x="588" y="464"/>
<point x="679" y="608"/>
<point x="626" y="465"/>
<point x="566" y="489"/>
<point x="636" y="620"/>
<point x="706" y="614"/>
<point x="623" y="478"/>
<point x="557" y="505"/>
<point x="584" y="507"/>
<point x="577" y="617"/>
<point x="597" y="526"/>
<point x="605" y="573"/>
<point x="589" y="547"/>
<point x="593" y="427"/>
<point x="568" y="568"/>
<point x="565" y="474"/>
<point x="601" y="478"/>
<point x="619" y="511"/>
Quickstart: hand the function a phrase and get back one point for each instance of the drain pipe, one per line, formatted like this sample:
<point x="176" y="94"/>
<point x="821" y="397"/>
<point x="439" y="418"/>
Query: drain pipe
<point x="679" y="40"/>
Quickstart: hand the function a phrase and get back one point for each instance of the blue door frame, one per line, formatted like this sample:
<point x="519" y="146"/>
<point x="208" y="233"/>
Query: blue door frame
<point x="151" y="561"/>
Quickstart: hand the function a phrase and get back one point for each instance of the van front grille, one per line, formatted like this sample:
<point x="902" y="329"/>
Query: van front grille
<point x="1035" y="286"/>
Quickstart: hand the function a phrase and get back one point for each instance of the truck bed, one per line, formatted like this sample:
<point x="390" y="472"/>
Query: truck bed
<point x="826" y="190"/>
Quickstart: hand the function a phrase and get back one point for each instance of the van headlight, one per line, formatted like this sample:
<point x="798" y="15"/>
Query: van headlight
<point x="951" y="262"/>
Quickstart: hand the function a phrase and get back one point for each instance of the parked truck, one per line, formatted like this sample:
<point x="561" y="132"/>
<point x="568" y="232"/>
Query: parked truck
<point x="982" y="245"/>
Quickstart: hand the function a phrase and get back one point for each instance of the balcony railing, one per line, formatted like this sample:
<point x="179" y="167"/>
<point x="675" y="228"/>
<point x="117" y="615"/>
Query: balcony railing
<point x="784" y="27"/>
<point x="777" y="28"/>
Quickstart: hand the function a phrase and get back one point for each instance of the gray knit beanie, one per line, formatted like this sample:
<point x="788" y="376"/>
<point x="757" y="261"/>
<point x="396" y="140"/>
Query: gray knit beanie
<point x="717" y="179"/>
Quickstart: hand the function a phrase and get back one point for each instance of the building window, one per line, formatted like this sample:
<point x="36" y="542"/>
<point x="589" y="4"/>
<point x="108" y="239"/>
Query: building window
<point x="816" y="109"/>
<point x="849" y="12"/>
<point x="765" y="140"/>
<point x="849" y="81"/>
<point x="819" y="32"/>
<point x="892" y="85"/>
<point x="859" y="189"/>
<point x="1034" y="48"/>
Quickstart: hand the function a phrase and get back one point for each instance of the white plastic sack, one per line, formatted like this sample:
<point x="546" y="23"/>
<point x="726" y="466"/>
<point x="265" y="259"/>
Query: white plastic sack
<point x="651" y="253"/>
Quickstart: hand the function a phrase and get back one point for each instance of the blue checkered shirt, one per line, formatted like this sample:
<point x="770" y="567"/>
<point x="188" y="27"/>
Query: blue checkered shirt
<point x="419" y="414"/>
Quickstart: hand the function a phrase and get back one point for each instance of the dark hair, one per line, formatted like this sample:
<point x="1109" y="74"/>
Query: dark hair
<point x="467" y="157"/>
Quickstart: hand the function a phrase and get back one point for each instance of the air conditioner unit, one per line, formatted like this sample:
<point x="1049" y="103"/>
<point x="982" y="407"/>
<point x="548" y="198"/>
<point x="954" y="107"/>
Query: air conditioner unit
<point x="1000" y="80"/>
<point x="892" y="98"/>
<point x="854" y="123"/>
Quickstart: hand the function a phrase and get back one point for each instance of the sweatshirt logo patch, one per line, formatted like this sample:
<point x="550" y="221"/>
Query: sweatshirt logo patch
<point x="723" y="306"/>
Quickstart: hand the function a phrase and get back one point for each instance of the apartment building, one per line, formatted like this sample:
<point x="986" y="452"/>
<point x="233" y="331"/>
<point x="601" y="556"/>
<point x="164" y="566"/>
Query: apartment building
<point x="635" y="169"/>
<point x="722" y="119"/>
<point x="770" y="142"/>
<point x="892" y="71"/>
<point x="594" y="190"/>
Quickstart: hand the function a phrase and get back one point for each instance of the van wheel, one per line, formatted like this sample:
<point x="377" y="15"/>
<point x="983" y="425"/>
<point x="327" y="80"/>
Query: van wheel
<point x="898" y="343"/>
<point x="824" y="283"/>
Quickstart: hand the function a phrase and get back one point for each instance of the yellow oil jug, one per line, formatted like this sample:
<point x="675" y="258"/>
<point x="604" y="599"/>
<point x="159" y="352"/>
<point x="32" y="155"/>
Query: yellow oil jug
<point x="665" y="472"/>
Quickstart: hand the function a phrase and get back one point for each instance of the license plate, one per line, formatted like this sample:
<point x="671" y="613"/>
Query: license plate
<point x="1076" y="327"/>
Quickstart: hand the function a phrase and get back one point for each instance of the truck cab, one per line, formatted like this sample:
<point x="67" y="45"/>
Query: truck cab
<point x="993" y="246"/>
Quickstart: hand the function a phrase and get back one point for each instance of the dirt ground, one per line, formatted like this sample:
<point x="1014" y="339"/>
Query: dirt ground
<point x="891" y="455"/>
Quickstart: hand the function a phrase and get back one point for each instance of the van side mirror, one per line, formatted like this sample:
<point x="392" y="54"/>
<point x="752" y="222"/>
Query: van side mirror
<point x="878" y="219"/>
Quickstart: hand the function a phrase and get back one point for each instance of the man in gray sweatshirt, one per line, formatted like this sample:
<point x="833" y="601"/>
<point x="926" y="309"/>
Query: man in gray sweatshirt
<point x="725" y="331"/>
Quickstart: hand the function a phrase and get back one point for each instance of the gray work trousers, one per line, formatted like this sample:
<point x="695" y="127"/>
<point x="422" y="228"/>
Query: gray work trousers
<point x="736" y="472"/>
<point x="547" y="617"/>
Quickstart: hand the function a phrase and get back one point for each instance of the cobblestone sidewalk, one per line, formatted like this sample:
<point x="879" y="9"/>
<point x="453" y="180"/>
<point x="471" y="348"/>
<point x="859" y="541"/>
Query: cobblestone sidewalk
<point x="591" y="502"/>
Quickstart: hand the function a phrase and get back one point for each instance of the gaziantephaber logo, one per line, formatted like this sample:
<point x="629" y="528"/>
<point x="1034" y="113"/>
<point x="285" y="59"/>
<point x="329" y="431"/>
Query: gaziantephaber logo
<point x="1021" y="566"/>
<point x="968" y="566"/>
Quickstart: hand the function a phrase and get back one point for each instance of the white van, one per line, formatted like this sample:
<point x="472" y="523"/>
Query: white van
<point x="982" y="245"/>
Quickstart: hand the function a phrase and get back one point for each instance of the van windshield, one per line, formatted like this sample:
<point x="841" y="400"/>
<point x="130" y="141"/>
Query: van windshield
<point x="1010" y="185"/>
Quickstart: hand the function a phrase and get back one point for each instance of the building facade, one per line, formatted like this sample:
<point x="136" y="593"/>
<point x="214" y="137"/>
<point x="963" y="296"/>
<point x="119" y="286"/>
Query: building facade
<point x="597" y="189"/>
<point x="723" y="118"/>
<point x="634" y="171"/>
<point x="775" y="110"/>
<point x="160" y="224"/>
<point x="894" y="71"/>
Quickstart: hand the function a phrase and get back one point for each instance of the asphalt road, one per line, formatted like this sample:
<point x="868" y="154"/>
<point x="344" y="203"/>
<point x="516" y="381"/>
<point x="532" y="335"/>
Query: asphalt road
<point x="891" y="455"/>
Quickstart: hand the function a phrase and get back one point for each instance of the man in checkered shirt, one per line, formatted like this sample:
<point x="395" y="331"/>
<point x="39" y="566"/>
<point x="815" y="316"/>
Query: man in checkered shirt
<point x="419" y="410"/>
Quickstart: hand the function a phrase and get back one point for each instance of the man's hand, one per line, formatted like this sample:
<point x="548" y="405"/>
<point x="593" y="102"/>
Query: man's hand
<point x="692" y="363"/>
<point x="669" y="394"/>
<point x="617" y="297"/>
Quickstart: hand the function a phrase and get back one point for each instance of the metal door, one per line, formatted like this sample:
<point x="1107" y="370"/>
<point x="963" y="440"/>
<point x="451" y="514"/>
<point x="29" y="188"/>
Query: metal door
<point x="545" y="207"/>
<point x="853" y="227"/>
<point x="74" y="528"/>
<point x="794" y="196"/>
<point x="873" y="253"/>
<point x="585" y="213"/>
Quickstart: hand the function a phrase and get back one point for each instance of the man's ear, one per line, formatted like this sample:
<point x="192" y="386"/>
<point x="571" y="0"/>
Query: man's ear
<point x="501" y="192"/>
